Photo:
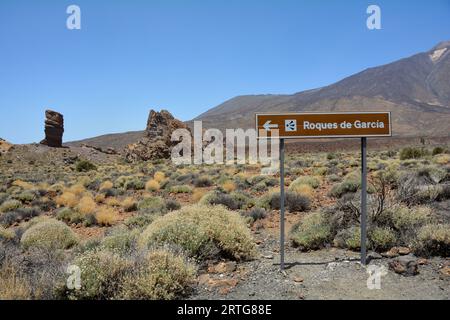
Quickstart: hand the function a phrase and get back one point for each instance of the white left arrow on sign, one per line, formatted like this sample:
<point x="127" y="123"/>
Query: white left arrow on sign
<point x="269" y="126"/>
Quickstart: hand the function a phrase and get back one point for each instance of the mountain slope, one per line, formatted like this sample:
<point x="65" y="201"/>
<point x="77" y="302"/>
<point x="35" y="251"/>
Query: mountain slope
<point x="415" y="89"/>
<point x="115" y="140"/>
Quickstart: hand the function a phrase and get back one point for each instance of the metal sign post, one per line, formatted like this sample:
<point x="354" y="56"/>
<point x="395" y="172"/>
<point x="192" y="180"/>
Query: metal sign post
<point x="363" y="200"/>
<point x="325" y="125"/>
<point x="282" y="205"/>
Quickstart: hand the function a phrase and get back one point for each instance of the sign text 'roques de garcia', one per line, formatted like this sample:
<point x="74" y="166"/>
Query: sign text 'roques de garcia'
<point x="324" y="125"/>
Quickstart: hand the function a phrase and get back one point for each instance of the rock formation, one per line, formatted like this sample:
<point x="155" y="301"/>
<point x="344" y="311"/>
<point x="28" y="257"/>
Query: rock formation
<point x="156" y="143"/>
<point x="54" y="129"/>
<point x="5" y="146"/>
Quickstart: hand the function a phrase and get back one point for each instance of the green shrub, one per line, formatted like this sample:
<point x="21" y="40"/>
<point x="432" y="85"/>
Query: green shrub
<point x="412" y="153"/>
<point x="85" y="166"/>
<point x="134" y="184"/>
<point x="256" y="214"/>
<point x="434" y="239"/>
<point x="331" y="156"/>
<point x="3" y="197"/>
<point x="49" y="234"/>
<point x="172" y="205"/>
<point x="438" y="150"/>
<point x="164" y="275"/>
<point x="102" y="274"/>
<point x="311" y="181"/>
<point x="334" y="178"/>
<point x="90" y="220"/>
<point x="349" y="238"/>
<point x="6" y="234"/>
<point x="382" y="238"/>
<point x="140" y="221"/>
<point x="120" y="240"/>
<point x="199" y="229"/>
<point x="10" y="205"/>
<point x="26" y="196"/>
<point x="233" y="201"/>
<point x="9" y="218"/>
<point x="312" y="232"/>
<point x="410" y="219"/>
<point x="203" y="181"/>
<point x="346" y="186"/>
<point x="180" y="189"/>
<point x="294" y="202"/>
<point x="69" y="216"/>
<point x="152" y="205"/>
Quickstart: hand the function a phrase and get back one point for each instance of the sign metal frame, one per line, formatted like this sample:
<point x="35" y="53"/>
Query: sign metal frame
<point x="257" y="115"/>
<point x="363" y="138"/>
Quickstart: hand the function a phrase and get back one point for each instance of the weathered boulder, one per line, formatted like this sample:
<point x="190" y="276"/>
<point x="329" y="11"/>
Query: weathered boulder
<point x="54" y="129"/>
<point x="156" y="143"/>
<point x="405" y="265"/>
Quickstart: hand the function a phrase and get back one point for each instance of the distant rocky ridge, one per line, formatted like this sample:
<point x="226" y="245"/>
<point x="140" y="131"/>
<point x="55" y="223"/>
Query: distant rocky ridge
<point x="54" y="129"/>
<point x="156" y="143"/>
<point x="416" y="90"/>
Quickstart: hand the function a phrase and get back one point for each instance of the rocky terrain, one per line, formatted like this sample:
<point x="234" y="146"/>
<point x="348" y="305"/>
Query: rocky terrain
<point x="87" y="207"/>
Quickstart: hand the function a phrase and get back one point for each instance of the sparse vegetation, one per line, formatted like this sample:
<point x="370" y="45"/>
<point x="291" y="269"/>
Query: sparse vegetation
<point x="85" y="166"/>
<point x="207" y="214"/>
<point x="312" y="232"/>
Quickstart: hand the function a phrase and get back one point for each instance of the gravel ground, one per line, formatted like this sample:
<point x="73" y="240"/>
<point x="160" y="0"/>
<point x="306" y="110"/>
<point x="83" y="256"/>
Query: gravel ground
<point x="326" y="274"/>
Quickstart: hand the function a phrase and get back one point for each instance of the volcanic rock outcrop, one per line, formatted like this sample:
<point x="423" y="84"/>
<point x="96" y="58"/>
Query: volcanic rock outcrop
<point x="5" y="146"/>
<point x="54" y="129"/>
<point x="156" y="143"/>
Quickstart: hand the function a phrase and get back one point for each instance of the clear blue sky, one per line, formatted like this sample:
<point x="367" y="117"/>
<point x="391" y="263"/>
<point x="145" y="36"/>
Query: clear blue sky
<point x="187" y="55"/>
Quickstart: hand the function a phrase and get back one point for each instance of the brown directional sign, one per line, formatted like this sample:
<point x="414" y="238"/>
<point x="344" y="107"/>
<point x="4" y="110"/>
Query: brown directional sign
<point x="324" y="125"/>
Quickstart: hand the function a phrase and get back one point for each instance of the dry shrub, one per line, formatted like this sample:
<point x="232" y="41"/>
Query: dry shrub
<point x="106" y="185"/>
<point x="442" y="159"/>
<point x="106" y="216"/>
<point x="100" y="198"/>
<point x="22" y="184"/>
<point x="129" y="204"/>
<point x="201" y="229"/>
<point x="77" y="189"/>
<point x="86" y="205"/>
<point x="302" y="189"/>
<point x="13" y="286"/>
<point x="198" y="194"/>
<point x="67" y="199"/>
<point x="152" y="185"/>
<point x="112" y="202"/>
<point x="229" y="186"/>
<point x="159" y="176"/>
